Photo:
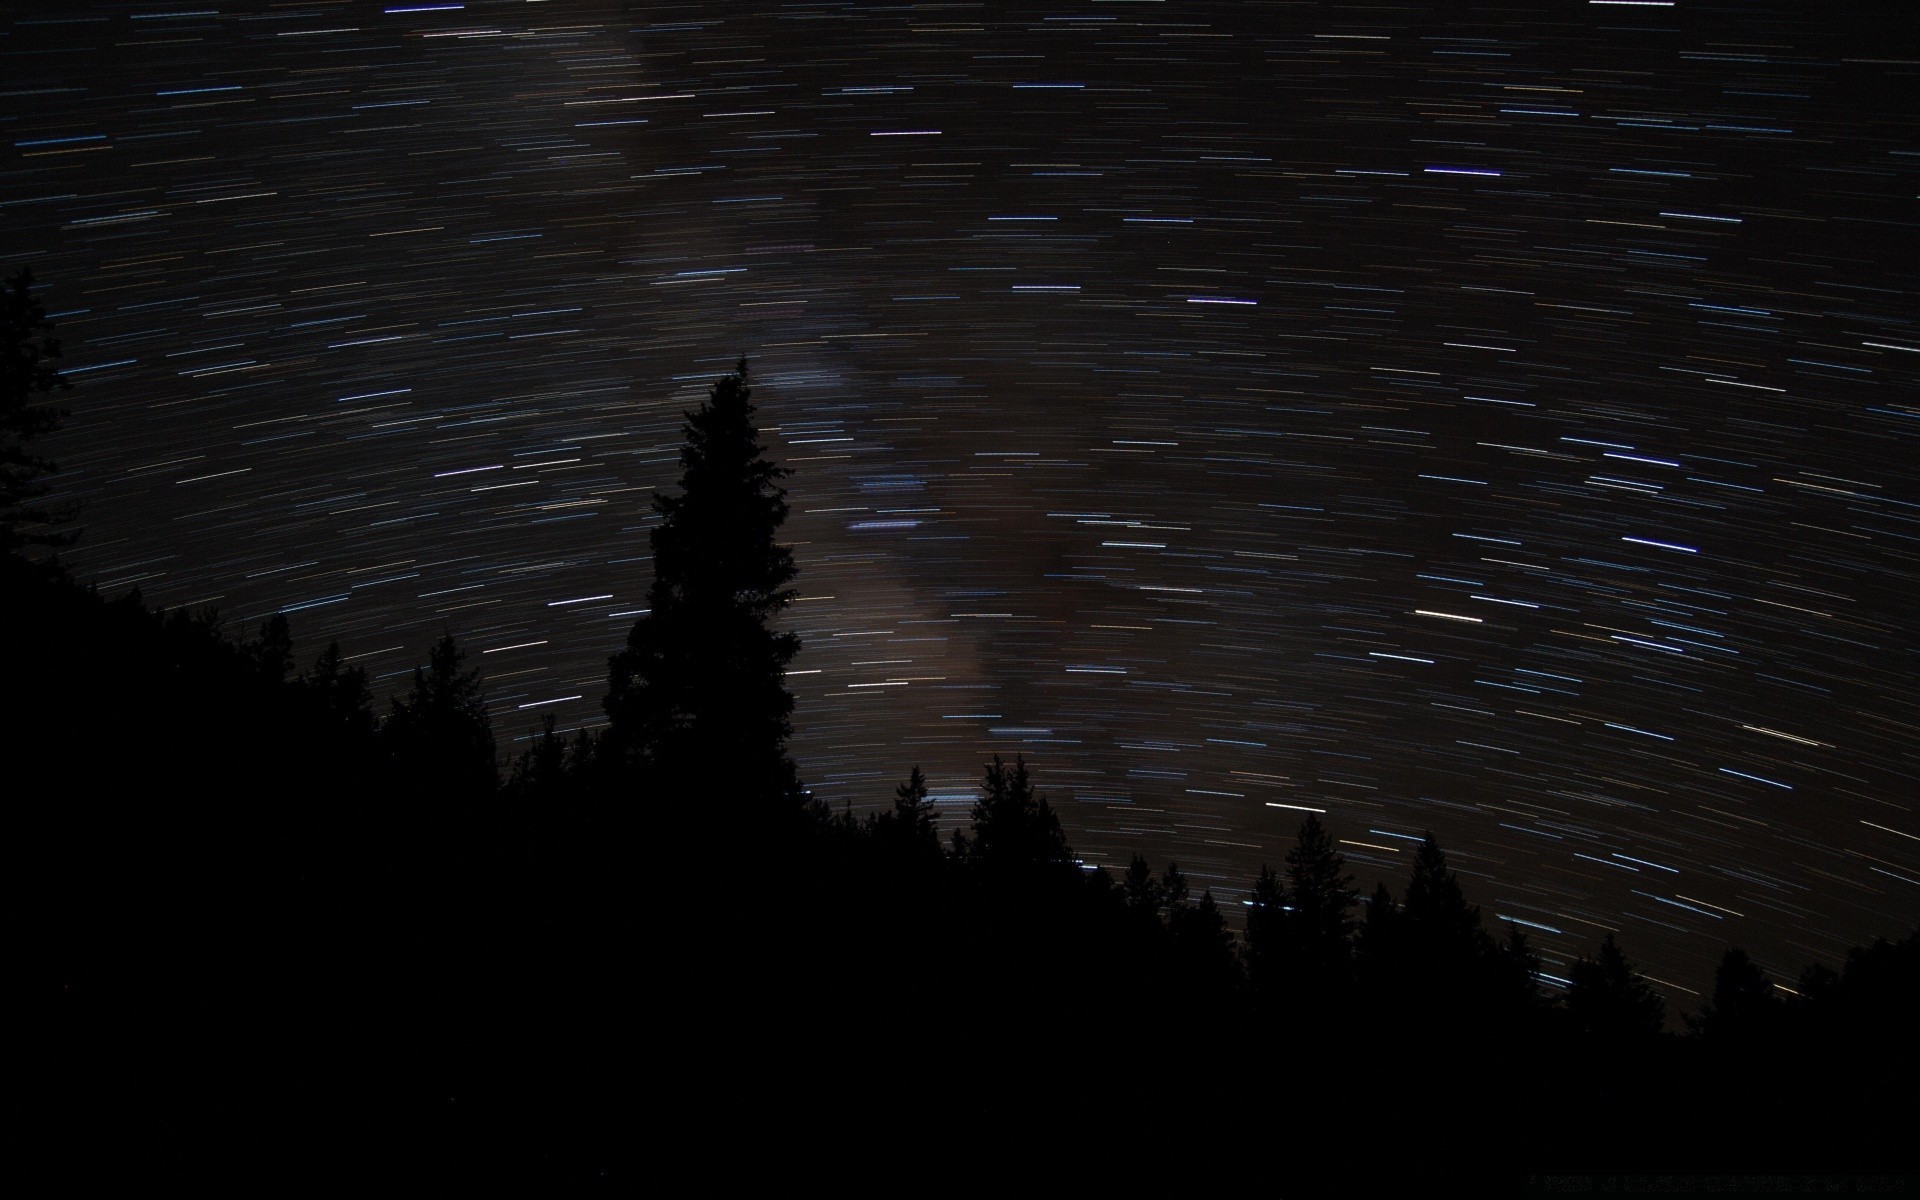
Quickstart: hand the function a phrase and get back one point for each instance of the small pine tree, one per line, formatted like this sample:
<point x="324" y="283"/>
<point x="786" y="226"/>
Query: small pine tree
<point x="341" y="694"/>
<point x="1264" y="947"/>
<point x="1380" y="946"/>
<point x="1611" y="1004"/>
<point x="1141" y="892"/>
<point x="1202" y="945"/>
<point x="439" y="738"/>
<point x="1744" y="1004"/>
<point x="1320" y="900"/>
<point x="541" y="769"/>
<point x="1817" y="986"/>
<point x="1013" y="829"/>
<point x="1512" y="981"/>
<point x="274" y="651"/>
<point x="1437" y="912"/>
<point x="912" y="820"/>
<point x="1173" y="889"/>
<point x="1209" y="926"/>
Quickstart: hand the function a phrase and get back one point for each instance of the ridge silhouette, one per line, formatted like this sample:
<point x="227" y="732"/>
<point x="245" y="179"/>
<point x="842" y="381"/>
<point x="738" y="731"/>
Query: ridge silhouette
<point x="270" y="930"/>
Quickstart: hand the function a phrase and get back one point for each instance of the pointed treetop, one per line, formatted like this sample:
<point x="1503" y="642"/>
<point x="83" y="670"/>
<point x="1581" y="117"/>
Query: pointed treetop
<point x="716" y="543"/>
<point x="1319" y="889"/>
<point x="1435" y="902"/>
<point x="913" y="816"/>
<point x="701" y="684"/>
<point x="1609" y="1001"/>
<point x="1012" y="827"/>
<point x="1139" y="889"/>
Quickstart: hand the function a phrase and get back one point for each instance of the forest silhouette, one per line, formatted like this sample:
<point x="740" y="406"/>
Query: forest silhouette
<point x="275" y="928"/>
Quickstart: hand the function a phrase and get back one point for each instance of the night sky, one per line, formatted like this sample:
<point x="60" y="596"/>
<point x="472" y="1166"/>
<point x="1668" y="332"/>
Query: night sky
<point x="1493" y="419"/>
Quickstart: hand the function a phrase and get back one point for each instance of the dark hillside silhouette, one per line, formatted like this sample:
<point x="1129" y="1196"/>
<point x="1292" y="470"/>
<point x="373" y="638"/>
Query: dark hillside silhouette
<point x="291" y="927"/>
<point x="273" y="934"/>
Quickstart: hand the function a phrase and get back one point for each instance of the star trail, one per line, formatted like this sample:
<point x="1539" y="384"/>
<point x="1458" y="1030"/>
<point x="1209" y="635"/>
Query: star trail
<point x="1493" y="419"/>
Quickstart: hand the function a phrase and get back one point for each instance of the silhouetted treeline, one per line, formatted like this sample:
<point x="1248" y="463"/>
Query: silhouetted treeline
<point x="254" y="897"/>
<point x="274" y="926"/>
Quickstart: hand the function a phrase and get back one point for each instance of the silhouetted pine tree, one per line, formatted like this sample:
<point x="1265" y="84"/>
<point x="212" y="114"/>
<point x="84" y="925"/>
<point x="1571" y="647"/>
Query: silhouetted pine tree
<point x="341" y="696"/>
<point x="1513" y="981"/>
<point x="1203" y="953"/>
<point x="1380" y="950"/>
<point x="1878" y="994"/>
<point x="699" y="697"/>
<point x="1318" y="924"/>
<point x="541" y="769"/>
<point x="1265" y="947"/>
<point x="438" y="737"/>
<point x="1173" y="889"/>
<point x="1744" y="1003"/>
<point x="331" y="718"/>
<point x="1427" y="958"/>
<point x="910" y="825"/>
<point x="1437" y="914"/>
<point x="1609" y="1003"/>
<point x="1141" y="893"/>
<point x="1014" y="831"/>
<point x="27" y="380"/>
<point x="1865" y="1007"/>
<point x="274" y="650"/>
<point x="1815" y="985"/>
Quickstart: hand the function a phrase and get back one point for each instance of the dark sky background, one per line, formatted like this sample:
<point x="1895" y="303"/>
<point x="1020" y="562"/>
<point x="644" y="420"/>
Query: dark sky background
<point x="1493" y="419"/>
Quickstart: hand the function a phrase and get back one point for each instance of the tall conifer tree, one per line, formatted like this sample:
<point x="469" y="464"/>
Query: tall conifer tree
<point x="1320" y="899"/>
<point x="698" y="698"/>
